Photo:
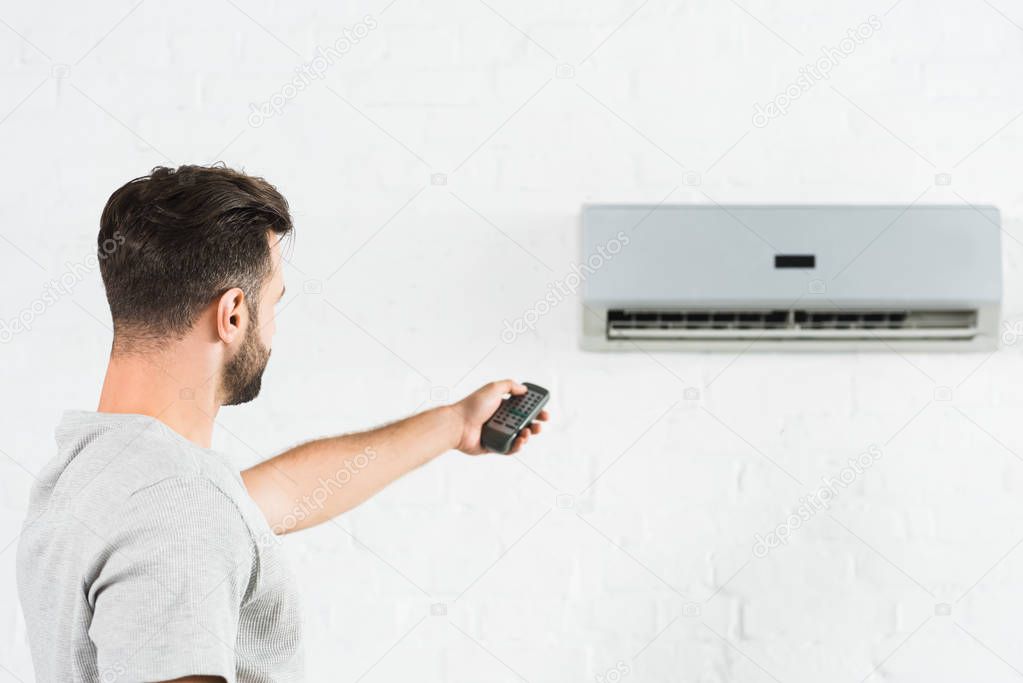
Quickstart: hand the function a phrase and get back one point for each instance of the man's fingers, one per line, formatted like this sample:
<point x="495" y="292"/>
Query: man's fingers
<point x="509" y="386"/>
<point x="520" y="441"/>
<point x="543" y="416"/>
<point x="534" y="427"/>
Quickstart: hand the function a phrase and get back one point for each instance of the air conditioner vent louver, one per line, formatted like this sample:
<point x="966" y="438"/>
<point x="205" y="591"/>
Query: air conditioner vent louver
<point x="790" y="324"/>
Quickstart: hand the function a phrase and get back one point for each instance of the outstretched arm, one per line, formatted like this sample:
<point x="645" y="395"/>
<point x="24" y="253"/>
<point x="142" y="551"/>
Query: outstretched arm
<point x="321" y="479"/>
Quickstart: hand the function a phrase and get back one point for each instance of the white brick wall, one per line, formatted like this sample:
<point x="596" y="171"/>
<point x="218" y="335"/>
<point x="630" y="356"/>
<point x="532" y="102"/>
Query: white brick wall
<point x="651" y="570"/>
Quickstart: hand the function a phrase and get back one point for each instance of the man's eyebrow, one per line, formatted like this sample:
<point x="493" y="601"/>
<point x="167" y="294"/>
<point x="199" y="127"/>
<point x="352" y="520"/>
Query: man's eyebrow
<point x="283" y="288"/>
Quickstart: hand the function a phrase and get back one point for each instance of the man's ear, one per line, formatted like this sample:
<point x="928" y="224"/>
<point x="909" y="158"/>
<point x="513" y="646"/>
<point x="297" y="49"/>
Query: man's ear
<point x="232" y="315"/>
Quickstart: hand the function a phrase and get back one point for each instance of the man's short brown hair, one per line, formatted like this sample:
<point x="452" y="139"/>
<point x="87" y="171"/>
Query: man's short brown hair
<point x="182" y="237"/>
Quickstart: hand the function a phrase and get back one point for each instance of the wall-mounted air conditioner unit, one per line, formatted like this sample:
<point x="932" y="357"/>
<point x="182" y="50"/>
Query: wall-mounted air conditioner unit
<point x="791" y="277"/>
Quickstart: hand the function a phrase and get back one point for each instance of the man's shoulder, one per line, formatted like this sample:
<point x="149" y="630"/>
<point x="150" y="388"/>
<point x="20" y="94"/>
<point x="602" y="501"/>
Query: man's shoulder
<point x="133" y="488"/>
<point x="121" y="463"/>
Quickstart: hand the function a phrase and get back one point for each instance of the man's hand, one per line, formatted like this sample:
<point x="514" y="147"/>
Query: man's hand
<point x="479" y="406"/>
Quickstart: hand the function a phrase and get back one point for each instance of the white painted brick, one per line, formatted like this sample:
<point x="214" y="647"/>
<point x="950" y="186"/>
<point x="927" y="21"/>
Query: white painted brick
<point x="684" y="502"/>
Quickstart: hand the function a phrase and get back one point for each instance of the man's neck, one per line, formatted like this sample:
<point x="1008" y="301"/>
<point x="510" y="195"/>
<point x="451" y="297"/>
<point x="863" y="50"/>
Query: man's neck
<point x="169" y="385"/>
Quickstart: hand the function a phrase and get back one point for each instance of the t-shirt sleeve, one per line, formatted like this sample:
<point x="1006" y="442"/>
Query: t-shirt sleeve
<point x="174" y="571"/>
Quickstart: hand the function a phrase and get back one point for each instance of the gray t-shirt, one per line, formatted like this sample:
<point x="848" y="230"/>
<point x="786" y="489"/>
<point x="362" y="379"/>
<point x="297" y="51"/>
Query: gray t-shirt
<point x="143" y="558"/>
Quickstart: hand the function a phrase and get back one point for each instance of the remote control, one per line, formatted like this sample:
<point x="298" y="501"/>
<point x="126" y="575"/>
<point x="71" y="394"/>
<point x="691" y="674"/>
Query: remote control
<point x="514" y="415"/>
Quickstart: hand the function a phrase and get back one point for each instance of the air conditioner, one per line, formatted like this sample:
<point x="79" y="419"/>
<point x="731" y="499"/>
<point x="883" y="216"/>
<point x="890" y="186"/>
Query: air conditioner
<point x="790" y="277"/>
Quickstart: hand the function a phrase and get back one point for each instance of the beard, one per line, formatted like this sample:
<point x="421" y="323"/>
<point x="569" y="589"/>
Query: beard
<point x="243" y="373"/>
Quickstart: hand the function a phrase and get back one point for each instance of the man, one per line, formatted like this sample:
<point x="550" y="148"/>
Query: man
<point x="145" y="556"/>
